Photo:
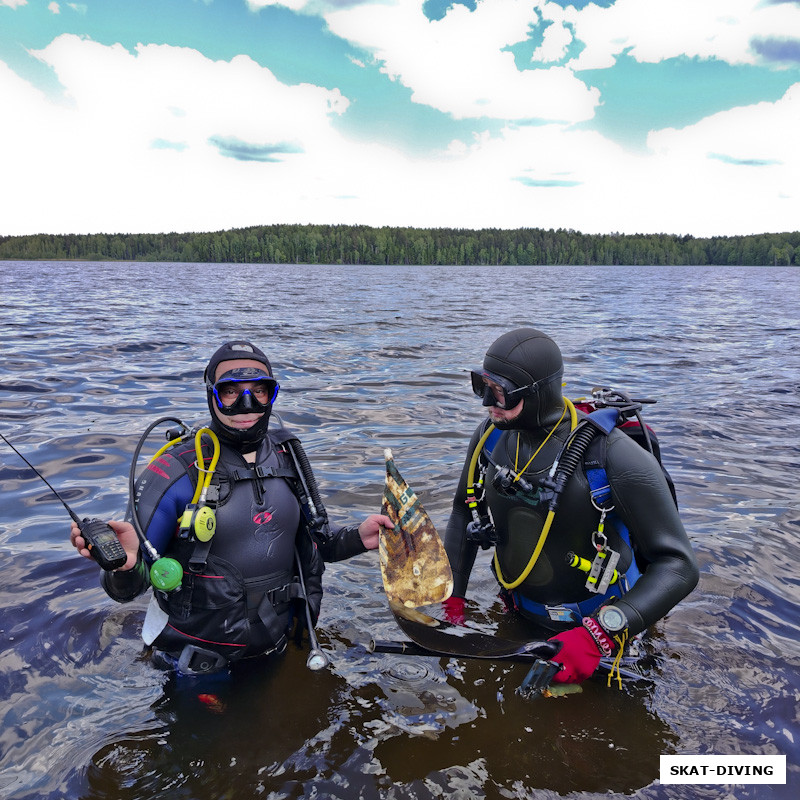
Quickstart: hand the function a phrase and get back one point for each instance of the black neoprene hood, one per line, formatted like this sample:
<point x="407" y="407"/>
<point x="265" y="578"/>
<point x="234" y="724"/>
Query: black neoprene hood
<point x="237" y="349"/>
<point x="527" y="356"/>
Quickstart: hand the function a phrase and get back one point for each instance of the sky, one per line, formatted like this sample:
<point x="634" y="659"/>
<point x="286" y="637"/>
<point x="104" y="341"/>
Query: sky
<point x="626" y="116"/>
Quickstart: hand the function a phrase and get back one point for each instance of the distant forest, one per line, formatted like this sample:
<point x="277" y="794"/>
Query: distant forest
<point x="355" y="244"/>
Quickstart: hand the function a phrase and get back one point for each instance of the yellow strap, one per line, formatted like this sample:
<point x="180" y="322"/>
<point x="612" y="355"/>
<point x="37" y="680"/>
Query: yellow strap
<point x="620" y="640"/>
<point x="518" y="475"/>
<point x="550" y="514"/>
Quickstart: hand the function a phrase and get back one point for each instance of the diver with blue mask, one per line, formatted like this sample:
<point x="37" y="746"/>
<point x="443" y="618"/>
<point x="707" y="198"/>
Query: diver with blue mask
<point x="233" y="508"/>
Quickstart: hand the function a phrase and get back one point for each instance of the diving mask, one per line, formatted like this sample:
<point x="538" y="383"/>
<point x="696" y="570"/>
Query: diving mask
<point x="243" y="391"/>
<point x="495" y="390"/>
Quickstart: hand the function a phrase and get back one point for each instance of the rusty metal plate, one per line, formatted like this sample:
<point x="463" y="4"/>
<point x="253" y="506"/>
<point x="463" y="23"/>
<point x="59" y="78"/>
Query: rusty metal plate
<point x="415" y="568"/>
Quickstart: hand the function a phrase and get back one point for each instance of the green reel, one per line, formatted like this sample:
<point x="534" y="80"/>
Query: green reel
<point x="166" y="574"/>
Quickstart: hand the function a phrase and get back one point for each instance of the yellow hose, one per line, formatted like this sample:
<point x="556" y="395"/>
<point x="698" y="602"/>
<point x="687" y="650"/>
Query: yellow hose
<point x="474" y="460"/>
<point x="162" y="450"/>
<point x="534" y="557"/>
<point x="573" y="419"/>
<point x="204" y="475"/>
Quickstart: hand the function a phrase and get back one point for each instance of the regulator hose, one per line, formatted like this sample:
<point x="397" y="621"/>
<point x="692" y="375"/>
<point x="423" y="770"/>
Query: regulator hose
<point x="151" y="551"/>
<point x="562" y="470"/>
<point x="319" y="516"/>
<point x="566" y="464"/>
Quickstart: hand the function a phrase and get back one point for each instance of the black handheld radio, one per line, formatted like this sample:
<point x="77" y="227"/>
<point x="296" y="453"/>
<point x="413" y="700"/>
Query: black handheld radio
<point x="101" y="541"/>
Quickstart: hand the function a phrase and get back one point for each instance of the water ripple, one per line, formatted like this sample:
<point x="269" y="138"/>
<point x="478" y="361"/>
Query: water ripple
<point x="363" y="366"/>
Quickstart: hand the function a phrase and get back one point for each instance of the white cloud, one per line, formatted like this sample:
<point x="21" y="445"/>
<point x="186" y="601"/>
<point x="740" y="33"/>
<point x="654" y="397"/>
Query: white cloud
<point x="460" y="64"/>
<point x="13" y="3"/>
<point x="557" y="37"/>
<point x="654" y="30"/>
<point x="738" y="168"/>
<point x="148" y="141"/>
<point x="54" y="8"/>
<point x="734" y="172"/>
<point x="762" y="132"/>
<point x="257" y="5"/>
<point x="106" y="150"/>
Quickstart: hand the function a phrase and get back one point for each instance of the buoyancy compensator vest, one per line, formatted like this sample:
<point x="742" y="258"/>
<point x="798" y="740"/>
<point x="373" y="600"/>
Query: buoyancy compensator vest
<point x="240" y="584"/>
<point x="606" y="410"/>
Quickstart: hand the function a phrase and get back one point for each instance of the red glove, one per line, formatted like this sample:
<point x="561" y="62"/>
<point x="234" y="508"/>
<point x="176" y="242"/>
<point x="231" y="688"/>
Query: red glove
<point x="582" y="648"/>
<point x="454" y="610"/>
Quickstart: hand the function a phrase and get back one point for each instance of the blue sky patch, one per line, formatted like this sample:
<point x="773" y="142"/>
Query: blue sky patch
<point x="546" y="183"/>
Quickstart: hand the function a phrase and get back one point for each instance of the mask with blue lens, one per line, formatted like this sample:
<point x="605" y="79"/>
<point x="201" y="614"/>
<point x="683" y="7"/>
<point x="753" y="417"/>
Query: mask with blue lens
<point x="246" y="390"/>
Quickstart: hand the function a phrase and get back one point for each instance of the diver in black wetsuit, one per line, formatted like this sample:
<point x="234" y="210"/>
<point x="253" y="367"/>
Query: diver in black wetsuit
<point x="520" y="383"/>
<point x="241" y="585"/>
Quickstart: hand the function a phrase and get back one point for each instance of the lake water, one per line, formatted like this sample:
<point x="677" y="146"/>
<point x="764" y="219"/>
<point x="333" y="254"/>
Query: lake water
<point x="368" y="358"/>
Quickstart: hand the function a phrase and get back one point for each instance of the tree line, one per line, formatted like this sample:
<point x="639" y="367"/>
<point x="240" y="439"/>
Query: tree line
<point x="358" y="244"/>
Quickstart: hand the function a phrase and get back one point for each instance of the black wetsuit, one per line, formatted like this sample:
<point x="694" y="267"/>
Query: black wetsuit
<point x="641" y="497"/>
<point x="237" y="595"/>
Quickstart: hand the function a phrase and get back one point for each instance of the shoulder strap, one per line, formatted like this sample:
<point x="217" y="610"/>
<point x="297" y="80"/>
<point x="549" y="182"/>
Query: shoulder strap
<point x="492" y="441"/>
<point x="281" y="435"/>
<point x="599" y="485"/>
<point x="600" y="489"/>
<point x="594" y="459"/>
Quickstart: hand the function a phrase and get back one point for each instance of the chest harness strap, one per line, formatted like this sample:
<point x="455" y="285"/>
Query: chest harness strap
<point x="213" y="480"/>
<point x="602" y="421"/>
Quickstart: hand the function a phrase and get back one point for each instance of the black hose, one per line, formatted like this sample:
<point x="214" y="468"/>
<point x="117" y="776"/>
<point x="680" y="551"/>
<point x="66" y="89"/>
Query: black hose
<point x="132" y="478"/>
<point x="571" y="456"/>
<point x="645" y="431"/>
<point x="319" y="521"/>
<point x="311" y="481"/>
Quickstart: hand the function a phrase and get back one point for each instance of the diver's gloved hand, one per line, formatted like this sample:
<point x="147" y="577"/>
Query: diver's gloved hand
<point x="582" y="647"/>
<point x="508" y="601"/>
<point x="454" y="610"/>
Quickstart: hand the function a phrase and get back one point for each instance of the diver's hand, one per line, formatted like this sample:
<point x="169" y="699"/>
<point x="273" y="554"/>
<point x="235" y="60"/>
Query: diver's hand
<point x="454" y="610"/>
<point x="582" y="648"/>
<point x="126" y="535"/>
<point x="369" y="530"/>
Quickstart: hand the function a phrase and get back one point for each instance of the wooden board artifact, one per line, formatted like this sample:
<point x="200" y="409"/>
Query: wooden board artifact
<point x="415" y="568"/>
